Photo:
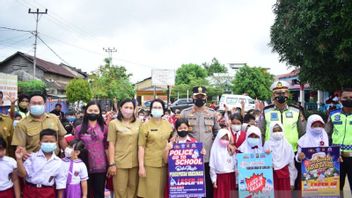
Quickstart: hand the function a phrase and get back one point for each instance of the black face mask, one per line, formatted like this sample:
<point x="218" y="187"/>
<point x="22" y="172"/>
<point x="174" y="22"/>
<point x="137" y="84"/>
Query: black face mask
<point x="182" y="133"/>
<point x="347" y="103"/>
<point x="199" y="102"/>
<point x="92" y="116"/>
<point x="281" y="99"/>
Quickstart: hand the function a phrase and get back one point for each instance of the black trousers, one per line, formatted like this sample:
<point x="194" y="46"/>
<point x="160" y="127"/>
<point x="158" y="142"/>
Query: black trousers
<point x="96" y="185"/>
<point x="208" y="183"/>
<point x="346" y="169"/>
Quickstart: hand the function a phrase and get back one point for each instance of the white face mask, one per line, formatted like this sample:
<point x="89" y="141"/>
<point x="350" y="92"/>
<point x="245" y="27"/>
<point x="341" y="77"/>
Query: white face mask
<point x="317" y="131"/>
<point x="236" y="127"/>
<point x="278" y="135"/>
<point x="157" y="113"/>
<point x="68" y="152"/>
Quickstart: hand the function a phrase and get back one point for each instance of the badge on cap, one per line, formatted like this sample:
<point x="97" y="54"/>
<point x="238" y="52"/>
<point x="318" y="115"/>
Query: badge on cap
<point x="200" y="90"/>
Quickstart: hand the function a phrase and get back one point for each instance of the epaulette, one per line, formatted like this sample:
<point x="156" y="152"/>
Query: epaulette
<point x="266" y="108"/>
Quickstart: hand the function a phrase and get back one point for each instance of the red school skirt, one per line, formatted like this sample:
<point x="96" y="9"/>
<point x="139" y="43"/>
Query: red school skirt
<point x="9" y="193"/>
<point x="282" y="183"/>
<point x="35" y="192"/>
<point x="226" y="185"/>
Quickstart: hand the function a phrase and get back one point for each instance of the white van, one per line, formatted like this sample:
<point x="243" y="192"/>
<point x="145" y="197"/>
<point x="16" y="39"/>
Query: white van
<point x="232" y="101"/>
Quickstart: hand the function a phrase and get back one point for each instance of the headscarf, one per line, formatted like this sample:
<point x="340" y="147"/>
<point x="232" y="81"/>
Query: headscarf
<point x="281" y="150"/>
<point x="245" y="147"/>
<point x="310" y="139"/>
<point x="220" y="159"/>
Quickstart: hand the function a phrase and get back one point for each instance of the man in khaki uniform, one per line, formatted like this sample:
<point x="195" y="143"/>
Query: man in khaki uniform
<point x="202" y="120"/>
<point x="6" y="132"/>
<point x="27" y="130"/>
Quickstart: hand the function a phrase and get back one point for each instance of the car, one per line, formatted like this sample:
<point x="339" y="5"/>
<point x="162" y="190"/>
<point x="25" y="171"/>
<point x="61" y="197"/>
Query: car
<point x="181" y="104"/>
<point x="234" y="101"/>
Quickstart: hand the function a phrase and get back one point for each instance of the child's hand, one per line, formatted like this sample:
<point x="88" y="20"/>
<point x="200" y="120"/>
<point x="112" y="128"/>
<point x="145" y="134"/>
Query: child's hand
<point x="215" y="186"/>
<point x="169" y="145"/>
<point x="341" y="160"/>
<point x="268" y="151"/>
<point x="20" y="152"/>
<point x="301" y="156"/>
<point x="231" y="148"/>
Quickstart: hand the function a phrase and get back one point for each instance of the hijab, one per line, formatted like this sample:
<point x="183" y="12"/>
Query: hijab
<point x="246" y="147"/>
<point x="312" y="139"/>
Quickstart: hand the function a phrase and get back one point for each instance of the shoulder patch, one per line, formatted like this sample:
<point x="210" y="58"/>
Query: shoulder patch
<point x="269" y="106"/>
<point x="335" y="111"/>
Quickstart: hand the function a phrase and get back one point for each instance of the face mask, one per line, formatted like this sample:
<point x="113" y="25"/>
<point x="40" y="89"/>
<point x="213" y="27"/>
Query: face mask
<point x="317" y="131"/>
<point x="68" y="152"/>
<point x="127" y="113"/>
<point x="347" y="103"/>
<point x="71" y="119"/>
<point x="278" y="135"/>
<point x="281" y="99"/>
<point x="23" y="105"/>
<point x="182" y="133"/>
<point x="15" y="122"/>
<point x="253" y="142"/>
<point x="92" y="116"/>
<point x="199" y="102"/>
<point x="157" y="113"/>
<point x="37" y="110"/>
<point x="236" y="127"/>
<point x="224" y="143"/>
<point x="48" y="147"/>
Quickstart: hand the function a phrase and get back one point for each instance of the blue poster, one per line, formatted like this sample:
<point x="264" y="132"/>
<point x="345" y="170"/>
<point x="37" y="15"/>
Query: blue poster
<point x="186" y="170"/>
<point x="255" y="175"/>
<point x="321" y="172"/>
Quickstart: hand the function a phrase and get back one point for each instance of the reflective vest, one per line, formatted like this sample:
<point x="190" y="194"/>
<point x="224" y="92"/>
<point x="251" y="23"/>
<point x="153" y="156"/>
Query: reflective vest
<point x="342" y="130"/>
<point x="289" y="119"/>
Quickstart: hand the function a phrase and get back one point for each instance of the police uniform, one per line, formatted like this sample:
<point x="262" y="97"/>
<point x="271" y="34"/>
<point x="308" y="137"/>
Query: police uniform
<point x="339" y="127"/>
<point x="6" y="132"/>
<point x="203" y="128"/>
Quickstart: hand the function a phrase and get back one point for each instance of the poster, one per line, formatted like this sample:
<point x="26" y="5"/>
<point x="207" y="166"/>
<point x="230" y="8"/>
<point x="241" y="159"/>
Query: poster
<point x="163" y="77"/>
<point x="255" y="175"/>
<point x="8" y="86"/>
<point x="186" y="170"/>
<point x="321" y="171"/>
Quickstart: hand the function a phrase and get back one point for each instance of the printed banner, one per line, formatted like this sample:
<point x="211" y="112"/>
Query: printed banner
<point x="321" y="171"/>
<point x="255" y="175"/>
<point x="186" y="170"/>
<point x="8" y="87"/>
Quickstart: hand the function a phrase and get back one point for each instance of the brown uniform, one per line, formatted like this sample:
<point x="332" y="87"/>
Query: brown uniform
<point x="6" y="132"/>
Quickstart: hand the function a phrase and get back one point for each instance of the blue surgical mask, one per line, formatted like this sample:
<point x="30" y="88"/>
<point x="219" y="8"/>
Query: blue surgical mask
<point x="157" y="113"/>
<point x="48" y="147"/>
<point x="253" y="141"/>
<point x="71" y="119"/>
<point x="37" y="110"/>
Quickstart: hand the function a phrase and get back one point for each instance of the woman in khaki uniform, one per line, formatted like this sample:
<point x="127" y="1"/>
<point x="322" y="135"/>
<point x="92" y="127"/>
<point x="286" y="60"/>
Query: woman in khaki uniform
<point x="123" y="139"/>
<point x="153" y="137"/>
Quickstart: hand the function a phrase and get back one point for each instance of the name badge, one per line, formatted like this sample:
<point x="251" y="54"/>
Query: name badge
<point x="274" y="116"/>
<point x="289" y="114"/>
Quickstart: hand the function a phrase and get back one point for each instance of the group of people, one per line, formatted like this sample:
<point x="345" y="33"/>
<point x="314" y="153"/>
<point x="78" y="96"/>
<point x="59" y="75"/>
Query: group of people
<point x="128" y="153"/>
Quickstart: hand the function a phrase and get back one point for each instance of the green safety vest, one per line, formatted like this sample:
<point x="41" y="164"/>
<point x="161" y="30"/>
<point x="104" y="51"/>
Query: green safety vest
<point x="289" y="119"/>
<point x="342" y="130"/>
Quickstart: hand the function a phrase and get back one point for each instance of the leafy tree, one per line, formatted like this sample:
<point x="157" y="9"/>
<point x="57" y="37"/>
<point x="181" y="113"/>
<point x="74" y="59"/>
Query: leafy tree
<point x="32" y="86"/>
<point x="189" y="72"/>
<point x="254" y="81"/>
<point x="111" y="81"/>
<point x="315" y="36"/>
<point x="78" y="90"/>
<point x="214" y="67"/>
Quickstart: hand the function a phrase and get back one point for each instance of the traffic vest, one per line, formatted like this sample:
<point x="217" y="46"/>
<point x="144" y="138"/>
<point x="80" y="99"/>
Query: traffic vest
<point x="289" y="119"/>
<point x="342" y="130"/>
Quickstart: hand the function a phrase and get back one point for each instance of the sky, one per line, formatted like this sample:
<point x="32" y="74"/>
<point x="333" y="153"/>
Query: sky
<point x="147" y="34"/>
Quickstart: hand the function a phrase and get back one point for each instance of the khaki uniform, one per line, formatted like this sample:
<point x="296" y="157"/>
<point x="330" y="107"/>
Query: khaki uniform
<point x="203" y="126"/>
<point x="28" y="129"/>
<point x="153" y="136"/>
<point x="125" y="138"/>
<point x="6" y="132"/>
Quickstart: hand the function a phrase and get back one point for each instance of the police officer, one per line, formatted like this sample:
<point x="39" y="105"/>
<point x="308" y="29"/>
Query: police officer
<point x="291" y="117"/>
<point x="202" y="120"/>
<point x="339" y="127"/>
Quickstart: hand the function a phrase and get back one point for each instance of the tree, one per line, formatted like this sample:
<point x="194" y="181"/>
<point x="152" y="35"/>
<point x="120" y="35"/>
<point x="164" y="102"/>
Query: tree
<point x="254" y="81"/>
<point x="32" y="86"/>
<point x="189" y="72"/>
<point x="214" y="67"/>
<point x="315" y="36"/>
<point x="78" y="90"/>
<point x="111" y="81"/>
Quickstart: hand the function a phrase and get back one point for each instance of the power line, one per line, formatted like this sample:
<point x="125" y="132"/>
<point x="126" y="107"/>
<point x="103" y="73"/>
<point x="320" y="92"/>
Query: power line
<point x="13" y="29"/>
<point x="57" y="55"/>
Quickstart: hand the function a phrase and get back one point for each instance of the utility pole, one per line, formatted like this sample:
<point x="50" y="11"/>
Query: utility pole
<point x="37" y="12"/>
<point x="110" y="51"/>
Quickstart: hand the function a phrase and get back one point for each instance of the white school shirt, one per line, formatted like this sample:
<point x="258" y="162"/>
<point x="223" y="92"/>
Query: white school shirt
<point x="79" y="171"/>
<point x="7" y="166"/>
<point x="45" y="172"/>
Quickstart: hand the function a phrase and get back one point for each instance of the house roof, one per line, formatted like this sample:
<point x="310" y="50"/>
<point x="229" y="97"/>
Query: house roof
<point x="291" y="74"/>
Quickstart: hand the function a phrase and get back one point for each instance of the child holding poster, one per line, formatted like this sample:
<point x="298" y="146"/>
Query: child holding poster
<point x="222" y="166"/>
<point x="285" y="172"/>
<point x="253" y="142"/>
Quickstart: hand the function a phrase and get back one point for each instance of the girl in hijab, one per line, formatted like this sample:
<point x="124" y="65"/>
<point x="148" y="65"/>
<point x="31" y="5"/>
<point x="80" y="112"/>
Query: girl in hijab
<point x="253" y="142"/>
<point x="285" y="172"/>
<point x="315" y="136"/>
<point x="222" y="166"/>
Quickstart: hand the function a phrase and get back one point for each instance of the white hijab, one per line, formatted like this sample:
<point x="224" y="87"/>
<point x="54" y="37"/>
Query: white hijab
<point x="310" y="139"/>
<point x="245" y="147"/>
<point x="220" y="159"/>
<point x="281" y="150"/>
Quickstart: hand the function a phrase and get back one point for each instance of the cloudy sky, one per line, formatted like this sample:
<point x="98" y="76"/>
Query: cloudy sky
<point x="148" y="34"/>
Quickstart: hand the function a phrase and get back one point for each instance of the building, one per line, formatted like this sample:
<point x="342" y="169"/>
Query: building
<point x="145" y="91"/>
<point x="55" y="76"/>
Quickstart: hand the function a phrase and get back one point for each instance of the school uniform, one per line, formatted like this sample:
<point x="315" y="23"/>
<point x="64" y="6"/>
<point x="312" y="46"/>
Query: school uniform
<point x="76" y="172"/>
<point x="246" y="147"/>
<point x="285" y="172"/>
<point x="43" y="176"/>
<point x="222" y="167"/>
<point x="238" y="138"/>
<point x="7" y="167"/>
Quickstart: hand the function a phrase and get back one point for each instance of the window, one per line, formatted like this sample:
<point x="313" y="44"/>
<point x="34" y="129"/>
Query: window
<point x="231" y="101"/>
